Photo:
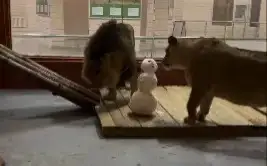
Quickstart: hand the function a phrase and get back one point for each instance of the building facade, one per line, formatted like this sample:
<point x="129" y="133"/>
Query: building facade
<point x="148" y="17"/>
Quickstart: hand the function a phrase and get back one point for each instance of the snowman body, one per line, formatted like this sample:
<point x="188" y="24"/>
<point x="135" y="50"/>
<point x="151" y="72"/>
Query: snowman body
<point x="142" y="101"/>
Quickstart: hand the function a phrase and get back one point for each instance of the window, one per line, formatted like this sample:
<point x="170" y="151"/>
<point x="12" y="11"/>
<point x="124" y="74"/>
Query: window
<point x="240" y="12"/>
<point x="18" y="22"/>
<point x="222" y="12"/>
<point x="42" y="7"/>
<point x="115" y="8"/>
<point x="255" y="13"/>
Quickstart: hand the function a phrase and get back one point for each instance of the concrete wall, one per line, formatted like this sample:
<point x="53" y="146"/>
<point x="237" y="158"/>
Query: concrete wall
<point x="203" y="9"/>
<point x="19" y="16"/>
<point x="25" y="20"/>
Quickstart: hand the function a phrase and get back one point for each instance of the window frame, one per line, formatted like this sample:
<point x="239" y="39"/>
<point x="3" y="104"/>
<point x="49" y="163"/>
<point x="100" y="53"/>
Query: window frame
<point x="255" y="8"/>
<point x="124" y="9"/>
<point x="41" y="5"/>
<point x="244" y="10"/>
<point x="228" y="19"/>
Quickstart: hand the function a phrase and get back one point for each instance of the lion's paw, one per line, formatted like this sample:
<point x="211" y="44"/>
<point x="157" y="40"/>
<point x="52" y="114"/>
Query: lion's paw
<point x="189" y="120"/>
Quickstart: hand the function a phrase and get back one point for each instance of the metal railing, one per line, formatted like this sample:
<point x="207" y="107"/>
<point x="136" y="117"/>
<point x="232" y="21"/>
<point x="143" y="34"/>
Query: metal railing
<point x="73" y="45"/>
<point x="186" y="26"/>
<point x="58" y="45"/>
<point x="224" y="29"/>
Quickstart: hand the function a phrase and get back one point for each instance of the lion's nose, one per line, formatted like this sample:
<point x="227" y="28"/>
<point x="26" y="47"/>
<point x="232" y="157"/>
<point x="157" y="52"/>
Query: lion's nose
<point x="89" y="81"/>
<point x="165" y="63"/>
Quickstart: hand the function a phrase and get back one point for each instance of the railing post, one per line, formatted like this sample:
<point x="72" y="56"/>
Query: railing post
<point x="153" y="45"/>
<point x="233" y="29"/>
<point x="224" y="34"/>
<point x="244" y="29"/>
<point x="257" y="30"/>
<point x="205" y="30"/>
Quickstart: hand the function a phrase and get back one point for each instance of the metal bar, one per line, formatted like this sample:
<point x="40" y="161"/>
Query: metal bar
<point x="152" y="47"/>
<point x="220" y="21"/>
<point x="173" y="28"/>
<point x="136" y="37"/>
<point x="205" y="30"/>
<point x="233" y="29"/>
<point x="224" y="33"/>
<point x="153" y="33"/>
<point x="244" y="30"/>
<point x="257" y="31"/>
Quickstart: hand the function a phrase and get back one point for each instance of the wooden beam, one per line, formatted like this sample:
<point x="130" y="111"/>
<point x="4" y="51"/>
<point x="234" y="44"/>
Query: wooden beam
<point x="58" y="64"/>
<point x="5" y="21"/>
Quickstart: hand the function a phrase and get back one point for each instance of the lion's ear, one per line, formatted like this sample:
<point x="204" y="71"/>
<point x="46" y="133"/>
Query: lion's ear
<point x="215" y="41"/>
<point x="172" y="40"/>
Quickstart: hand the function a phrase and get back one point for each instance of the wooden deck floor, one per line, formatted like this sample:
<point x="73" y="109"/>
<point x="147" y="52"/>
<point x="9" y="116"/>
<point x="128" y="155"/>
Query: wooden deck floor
<point x="224" y="120"/>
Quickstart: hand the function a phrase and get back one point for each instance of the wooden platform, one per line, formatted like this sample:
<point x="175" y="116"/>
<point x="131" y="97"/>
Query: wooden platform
<point x="224" y="120"/>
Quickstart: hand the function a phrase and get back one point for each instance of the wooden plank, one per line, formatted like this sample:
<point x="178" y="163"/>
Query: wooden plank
<point x="113" y="110"/>
<point x="184" y="92"/>
<point x="262" y="110"/>
<point x="104" y="116"/>
<point x="248" y="113"/>
<point x="225" y="115"/>
<point x="158" y="120"/>
<point x="165" y="116"/>
<point x="154" y="121"/>
<point x="115" y="113"/>
<point x="126" y="111"/>
<point x="117" y="122"/>
<point x="170" y="104"/>
<point x="218" y="113"/>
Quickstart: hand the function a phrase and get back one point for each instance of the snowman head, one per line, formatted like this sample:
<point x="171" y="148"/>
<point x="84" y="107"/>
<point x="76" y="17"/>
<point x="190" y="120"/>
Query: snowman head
<point x="149" y="65"/>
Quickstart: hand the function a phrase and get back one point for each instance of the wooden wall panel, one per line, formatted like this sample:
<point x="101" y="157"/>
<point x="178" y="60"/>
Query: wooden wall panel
<point x="71" y="69"/>
<point x="5" y="32"/>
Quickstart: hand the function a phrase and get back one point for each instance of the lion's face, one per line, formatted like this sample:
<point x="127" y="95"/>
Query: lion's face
<point x="176" y="55"/>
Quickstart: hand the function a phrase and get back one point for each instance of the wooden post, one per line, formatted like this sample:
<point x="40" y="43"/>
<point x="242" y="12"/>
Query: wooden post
<point x="5" y="20"/>
<point x="5" y="33"/>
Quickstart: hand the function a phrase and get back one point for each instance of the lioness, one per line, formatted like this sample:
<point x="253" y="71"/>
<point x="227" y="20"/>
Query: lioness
<point x="110" y="58"/>
<point x="213" y="68"/>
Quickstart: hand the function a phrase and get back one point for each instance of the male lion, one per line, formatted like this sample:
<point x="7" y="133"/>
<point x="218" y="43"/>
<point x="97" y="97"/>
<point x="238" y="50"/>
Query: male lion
<point x="110" y="58"/>
<point x="214" y="68"/>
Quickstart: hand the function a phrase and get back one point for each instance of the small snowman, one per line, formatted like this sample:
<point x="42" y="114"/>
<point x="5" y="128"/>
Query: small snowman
<point x="142" y="101"/>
